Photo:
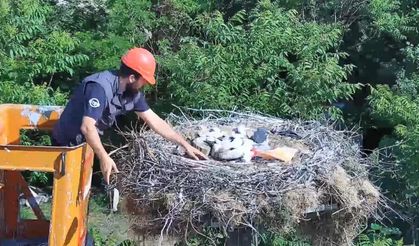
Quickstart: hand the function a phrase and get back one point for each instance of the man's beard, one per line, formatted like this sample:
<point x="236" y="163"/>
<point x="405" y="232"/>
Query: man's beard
<point x="130" y="91"/>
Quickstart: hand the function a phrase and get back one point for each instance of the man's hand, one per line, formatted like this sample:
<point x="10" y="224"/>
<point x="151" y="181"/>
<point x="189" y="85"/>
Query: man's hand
<point x="194" y="153"/>
<point x="106" y="166"/>
<point x="89" y="131"/>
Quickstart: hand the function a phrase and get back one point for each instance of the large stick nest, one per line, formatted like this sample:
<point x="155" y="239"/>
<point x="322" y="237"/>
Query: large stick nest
<point x="324" y="192"/>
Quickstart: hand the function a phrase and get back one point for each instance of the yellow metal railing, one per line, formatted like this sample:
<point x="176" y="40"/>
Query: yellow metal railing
<point x="72" y="169"/>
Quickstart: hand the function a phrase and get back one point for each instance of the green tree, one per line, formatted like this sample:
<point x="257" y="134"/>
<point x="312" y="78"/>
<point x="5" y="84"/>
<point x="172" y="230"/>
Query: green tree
<point x="398" y="108"/>
<point x="377" y="235"/>
<point x="28" y="93"/>
<point x="32" y="50"/>
<point x="274" y="63"/>
<point x="396" y="105"/>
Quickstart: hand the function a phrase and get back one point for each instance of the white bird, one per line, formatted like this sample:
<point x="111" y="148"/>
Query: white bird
<point x="241" y="130"/>
<point x="202" y="131"/>
<point x="213" y="134"/>
<point x="210" y="135"/>
<point x="231" y="142"/>
<point x="231" y="154"/>
<point x="233" y="147"/>
<point x="202" y="145"/>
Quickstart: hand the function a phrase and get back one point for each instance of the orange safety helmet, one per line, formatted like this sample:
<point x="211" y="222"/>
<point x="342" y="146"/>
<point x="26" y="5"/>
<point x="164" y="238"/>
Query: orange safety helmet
<point x="141" y="61"/>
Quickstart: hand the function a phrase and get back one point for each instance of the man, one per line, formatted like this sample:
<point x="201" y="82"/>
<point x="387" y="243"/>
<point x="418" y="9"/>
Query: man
<point x="103" y="96"/>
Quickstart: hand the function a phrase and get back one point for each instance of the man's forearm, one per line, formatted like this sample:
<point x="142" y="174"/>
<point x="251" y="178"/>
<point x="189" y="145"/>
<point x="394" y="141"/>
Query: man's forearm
<point x="92" y="138"/>
<point x="162" y="128"/>
<point x="168" y="132"/>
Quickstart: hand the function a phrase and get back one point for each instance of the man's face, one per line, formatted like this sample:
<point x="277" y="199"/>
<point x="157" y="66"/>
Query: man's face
<point x="134" y="84"/>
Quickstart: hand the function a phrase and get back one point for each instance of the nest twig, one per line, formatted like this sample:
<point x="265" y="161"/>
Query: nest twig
<point x="324" y="192"/>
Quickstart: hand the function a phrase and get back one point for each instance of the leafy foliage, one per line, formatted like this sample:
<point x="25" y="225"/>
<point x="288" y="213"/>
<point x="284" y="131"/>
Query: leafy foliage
<point x="28" y="93"/>
<point x="31" y="50"/>
<point x="265" y="65"/>
<point x="269" y="239"/>
<point x="389" y="18"/>
<point x="210" y="236"/>
<point x="378" y="235"/>
<point x="292" y="58"/>
<point x="397" y="107"/>
<point x="132" y="19"/>
<point x="80" y="15"/>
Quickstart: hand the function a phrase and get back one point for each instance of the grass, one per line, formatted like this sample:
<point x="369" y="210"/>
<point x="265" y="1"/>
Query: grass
<point x="27" y="213"/>
<point x="105" y="227"/>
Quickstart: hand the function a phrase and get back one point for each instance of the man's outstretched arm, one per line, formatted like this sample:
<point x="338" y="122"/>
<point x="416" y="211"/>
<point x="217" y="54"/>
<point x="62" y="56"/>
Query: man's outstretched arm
<point x="161" y="127"/>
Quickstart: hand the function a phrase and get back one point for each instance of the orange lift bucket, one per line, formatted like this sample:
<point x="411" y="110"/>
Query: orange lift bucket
<point x="72" y="172"/>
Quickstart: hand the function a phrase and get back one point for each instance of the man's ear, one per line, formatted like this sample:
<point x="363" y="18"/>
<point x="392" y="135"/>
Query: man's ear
<point x="131" y="79"/>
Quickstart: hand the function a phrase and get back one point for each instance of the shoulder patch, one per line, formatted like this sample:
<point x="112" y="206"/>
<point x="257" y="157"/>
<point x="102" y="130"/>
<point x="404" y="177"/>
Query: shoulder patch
<point x="94" y="102"/>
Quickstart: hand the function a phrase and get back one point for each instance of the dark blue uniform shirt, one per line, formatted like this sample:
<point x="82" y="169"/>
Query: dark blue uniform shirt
<point x="89" y="100"/>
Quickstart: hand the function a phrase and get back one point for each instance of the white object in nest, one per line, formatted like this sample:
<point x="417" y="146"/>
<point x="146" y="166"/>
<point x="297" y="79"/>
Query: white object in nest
<point x="227" y="143"/>
<point x="201" y="144"/>
<point x="209" y="132"/>
<point x="247" y="147"/>
<point x="225" y="146"/>
<point x="210" y="135"/>
<point x="241" y="130"/>
<point x="233" y="147"/>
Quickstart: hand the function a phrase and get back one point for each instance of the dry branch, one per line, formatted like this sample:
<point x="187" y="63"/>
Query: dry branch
<point x="324" y="192"/>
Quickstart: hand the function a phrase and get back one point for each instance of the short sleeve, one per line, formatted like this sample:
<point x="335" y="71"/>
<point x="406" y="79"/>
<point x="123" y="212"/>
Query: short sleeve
<point x="141" y="104"/>
<point x="94" y="100"/>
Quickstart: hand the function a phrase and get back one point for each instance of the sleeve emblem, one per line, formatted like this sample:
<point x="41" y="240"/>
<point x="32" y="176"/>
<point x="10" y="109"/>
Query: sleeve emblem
<point x="94" y="103"/>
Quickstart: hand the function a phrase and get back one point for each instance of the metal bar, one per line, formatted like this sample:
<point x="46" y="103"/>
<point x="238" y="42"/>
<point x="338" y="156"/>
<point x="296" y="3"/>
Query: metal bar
<point x="69" y="213"/>
<point x="30" y="116"/>
<point x="45" y="160"/>
<point x="30" y="229"/>
<point x="11" y="204"/>
<point x="71" y="182"/>
<point x="28" y="196"/>
<point x="2" y="201"/>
